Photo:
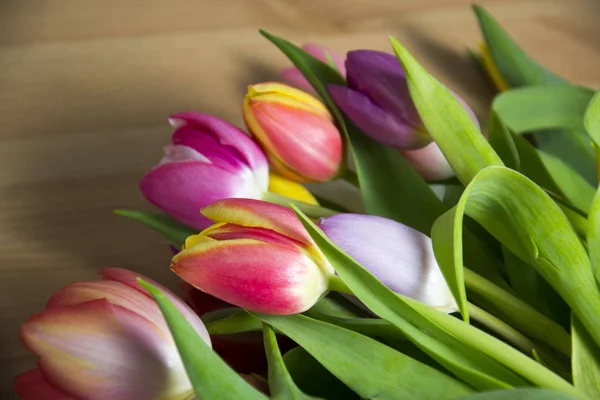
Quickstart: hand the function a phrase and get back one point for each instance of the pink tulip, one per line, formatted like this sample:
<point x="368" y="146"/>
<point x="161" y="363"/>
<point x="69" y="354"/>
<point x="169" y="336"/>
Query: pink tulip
<point x="295" y="130"/>
<point x="208" y="160"/>
<point x="105" y="340"/>
<point x="258" y="256"/>
<point x="293" y="77"/>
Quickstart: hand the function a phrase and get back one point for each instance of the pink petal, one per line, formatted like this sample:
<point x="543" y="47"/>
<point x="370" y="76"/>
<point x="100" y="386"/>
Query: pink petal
<point x="258" y="214"/>
<point x="33" y="385"/>
<point x="254" y="275"/>
<point x="130" y="279"/>
<point x="293" y="77"/>
<point x="99" y="351"/>
<point x="231" y="232"/>
<point x="429" y="162"/>
<point x="181" y="189"/>
<point x="226" y="134"/>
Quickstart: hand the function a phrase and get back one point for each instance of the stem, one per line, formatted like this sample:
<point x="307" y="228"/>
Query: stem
<point x="520" y="314"/>
<point x="336" y="284"/>
<point x="502" y="328"/>
<point x="310" y="210"/>
<point x="350" y="177"/>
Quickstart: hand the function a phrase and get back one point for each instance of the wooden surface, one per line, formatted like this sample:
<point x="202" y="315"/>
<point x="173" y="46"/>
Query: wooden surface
<point x="86" y="87"/>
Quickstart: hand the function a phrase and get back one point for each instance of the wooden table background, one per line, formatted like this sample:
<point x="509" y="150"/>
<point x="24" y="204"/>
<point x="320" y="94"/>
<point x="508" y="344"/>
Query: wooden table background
<point x="86" y="87"/>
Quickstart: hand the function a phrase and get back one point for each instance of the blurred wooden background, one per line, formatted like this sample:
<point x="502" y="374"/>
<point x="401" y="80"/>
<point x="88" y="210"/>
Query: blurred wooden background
<point x="86" y="88"/>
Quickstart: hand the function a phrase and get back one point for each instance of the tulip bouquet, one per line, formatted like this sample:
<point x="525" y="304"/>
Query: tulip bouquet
<point x="486" y="288"/>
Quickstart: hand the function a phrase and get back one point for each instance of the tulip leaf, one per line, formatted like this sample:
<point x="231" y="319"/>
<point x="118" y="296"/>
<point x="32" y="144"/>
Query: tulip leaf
<point x="312" y="378"/>
<point x="592" y="118"/>
<point x="448" y="251"/>
<point x="389" y="375"/>
<point x="446" y="120"/>
<point x="501" y="140"/>
<point x="515" y="66"/>
<point x="281" y="384"/>
<point x="585" y="361"/>
<point x="483" y="359"/>
<point x="390" y="187"/>
<point x="593" y="235"/>
<point x="237" y="322"/>
<point x="520" y="394"/>
<point x="174" y="231"/>
<point x="210" y="376"/>
<point x="470" y="365"/>
<point x="528" y="222"/>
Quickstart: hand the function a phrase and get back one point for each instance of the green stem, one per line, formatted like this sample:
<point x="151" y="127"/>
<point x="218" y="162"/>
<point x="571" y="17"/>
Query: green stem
<point x="350" y="177"/>
<point x="336" y="284"/>
<point x="310" y="210"/>
<point x="519" y="314"/>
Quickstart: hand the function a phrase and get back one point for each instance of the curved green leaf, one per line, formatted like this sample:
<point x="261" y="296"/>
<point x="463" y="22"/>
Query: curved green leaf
<point x="502" y="142"/>
<point x="470" y="365"/>
<point x="370" y="368"/>
<point x="281" y="384"/>
<point x="174" y="231"/>
<point x="592" y="118"/>
<point x="585" y="361"/>
<point x="446" y="120"/>
<point x="515" y="66"/>
<point x="312" y="378"/>
<point x="519" y="394"/>
<point x="210" y="376"/>
<point x="237" y="322"/>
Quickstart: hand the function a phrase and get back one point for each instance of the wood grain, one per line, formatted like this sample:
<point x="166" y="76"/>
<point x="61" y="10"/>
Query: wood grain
<point x="86" y="87"/>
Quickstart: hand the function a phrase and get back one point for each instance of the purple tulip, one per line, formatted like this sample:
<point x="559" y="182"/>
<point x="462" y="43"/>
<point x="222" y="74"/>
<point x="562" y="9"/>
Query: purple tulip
<point x="399" y="256"/>
<point x="208" y="160"/>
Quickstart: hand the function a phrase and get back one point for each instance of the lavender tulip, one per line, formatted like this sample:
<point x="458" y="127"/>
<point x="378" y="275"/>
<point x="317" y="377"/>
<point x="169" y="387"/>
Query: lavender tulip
<point x="208" y="160"/>
<point x="399" y="256"/>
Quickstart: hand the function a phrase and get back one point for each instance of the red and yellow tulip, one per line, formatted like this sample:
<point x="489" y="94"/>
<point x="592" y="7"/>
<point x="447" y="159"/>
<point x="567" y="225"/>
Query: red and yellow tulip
<point x="257" y="256"/>
<point x="295" y="130"/>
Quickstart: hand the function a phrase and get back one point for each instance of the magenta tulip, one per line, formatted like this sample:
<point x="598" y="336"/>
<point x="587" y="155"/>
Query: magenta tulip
<point x="208" y="160"/>
<point x="105" y="340"/>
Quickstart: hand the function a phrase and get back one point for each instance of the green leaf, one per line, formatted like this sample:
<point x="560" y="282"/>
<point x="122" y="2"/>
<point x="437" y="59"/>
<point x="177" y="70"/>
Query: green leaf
<point x="592" y="118"/>
<point x="281" y="384"/>
<point x="527" y="221"/>
<point x="447" y="247"/>
<point x="532" y="108"/>
<point x="519" y="394"/>
<point x="210" y="376"/>
<point x="370" y="368"/>
<point x="516" y="67"/>
<point x="593" y="235"/>
<point x="237" y="322"/>
<point x="390" y="187"/>
<point x="175" y="232"/>
<point x="446" y="120"/>
<point x="501" y="140"/>
<point x="470" y="365"/>
<point x="312" y="378"/>
<point x="585" y="361"/>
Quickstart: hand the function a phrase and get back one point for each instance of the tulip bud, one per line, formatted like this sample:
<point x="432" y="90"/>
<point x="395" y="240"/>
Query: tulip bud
<point x="295" y="130"/>
<point x="257" y="256"/>
<point x="208" y="159"/>
<point x="378" y="101"/>
<point x="399" y="256"/>
<point x="293" y="77"/>
<point x="105" y="340"/>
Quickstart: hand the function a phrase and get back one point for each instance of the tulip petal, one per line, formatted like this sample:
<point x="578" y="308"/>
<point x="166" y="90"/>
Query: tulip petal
<point x="258" y="214"/>
<point x="379" y="76"/>
<point x="232" y="232"/>
<point x="181" y="189"/>
<point x="229" y="135"/>
<point x="99" y="351"/>
<point x="130" y="279"/>
<point x="258" y="276"/>
<point x="290" y="189"/>
<point x="293" y="77"/>
<point x="429" y="162"/>
<point x="33" y="385"/>
<point x="399" y="256"/>
<point x="374" y="121"/>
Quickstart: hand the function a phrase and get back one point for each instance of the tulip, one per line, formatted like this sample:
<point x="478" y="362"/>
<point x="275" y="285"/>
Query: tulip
<point x="293" y="77"/>
<point x="105" y="340"/>
<point x="257" y="256"/>
<point x="208" y="160"/>
<point x="399" y="256"/>
<point x="295" y="130"/>
<point x="378" y="101"/>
